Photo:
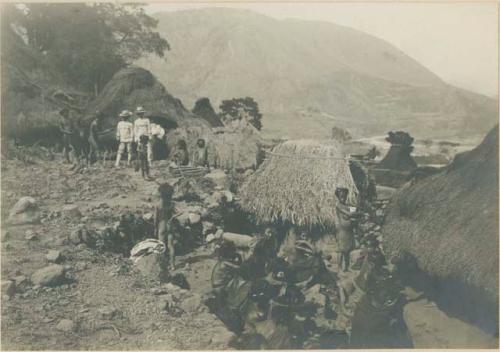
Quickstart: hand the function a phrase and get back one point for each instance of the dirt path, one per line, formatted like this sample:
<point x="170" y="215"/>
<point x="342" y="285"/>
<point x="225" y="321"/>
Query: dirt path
<point x="112" y="306"/>
<point x="430" y="327"/>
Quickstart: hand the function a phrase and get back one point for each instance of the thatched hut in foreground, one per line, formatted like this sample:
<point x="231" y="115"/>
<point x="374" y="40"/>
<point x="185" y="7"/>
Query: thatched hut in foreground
<point x="448" y="224"/>
<point x="296" y="184"/>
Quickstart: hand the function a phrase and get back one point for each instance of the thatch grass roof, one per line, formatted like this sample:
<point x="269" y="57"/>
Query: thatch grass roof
<point x="297" y="182"/>
<point x="449" y="221"/>
<point x="134" y="86"/>
<point x="229" y="149"/>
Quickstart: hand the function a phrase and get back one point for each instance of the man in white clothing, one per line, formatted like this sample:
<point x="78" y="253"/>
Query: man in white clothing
<point x="125" y="135"/>
<point x="142" y="126"/>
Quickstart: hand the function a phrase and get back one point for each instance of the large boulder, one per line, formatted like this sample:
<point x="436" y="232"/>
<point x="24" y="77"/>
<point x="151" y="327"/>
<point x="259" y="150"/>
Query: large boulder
<point x="71" y="211"/>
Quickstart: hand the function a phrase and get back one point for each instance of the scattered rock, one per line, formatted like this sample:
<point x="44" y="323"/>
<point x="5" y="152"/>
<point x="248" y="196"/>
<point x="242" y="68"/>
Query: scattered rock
<point x="219" y="178"/>
<point x="158" y="291"/>
<point x="194" y="218"/>
<point x="152" y="266"/>
<point x="21" y="282"/>
<point x="71" y="211"/>
<point x="5" y="235"/>
<point x="8" y="288"/>
<point x="167" y="302"/>
<point x="80" y="266"/>
<point x="25" y="211"/>
<point x="110" y="313"/>
<point x="51" y="275"/>
<point x="208" y="227"/>
<point x="22" y="205"/>
<point x="75" y="236"/>
<point x="66" y="325"/>
<point x="229" y="196"/>
<point x="30" y="235"/>
<point x="221" y="337"/>
<point x="192" y="304"/>
<point x="54" y="256"/>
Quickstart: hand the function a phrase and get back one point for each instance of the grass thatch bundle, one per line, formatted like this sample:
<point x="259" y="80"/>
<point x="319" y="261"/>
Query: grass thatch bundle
<point x="297" y="182"/>
<point x="227" y="148"/>
<point x="448" y="222"/>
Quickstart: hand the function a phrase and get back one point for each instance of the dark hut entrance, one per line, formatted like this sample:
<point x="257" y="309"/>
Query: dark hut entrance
<point x="160" y="147"/>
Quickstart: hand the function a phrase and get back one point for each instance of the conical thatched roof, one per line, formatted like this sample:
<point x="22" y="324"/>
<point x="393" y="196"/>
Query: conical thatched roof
<point x="449" y="221"/>
<point x="134" y="86"/>
<point x="297" y="182"/>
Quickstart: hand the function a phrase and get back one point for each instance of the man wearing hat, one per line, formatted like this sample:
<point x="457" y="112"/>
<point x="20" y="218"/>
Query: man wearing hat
<point x="125" y="135"/>
<point x="142" y="126"/>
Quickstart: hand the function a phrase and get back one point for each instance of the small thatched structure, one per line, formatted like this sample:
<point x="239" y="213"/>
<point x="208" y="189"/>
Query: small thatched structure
<point x="448" y="224"/>
<point x="227" y="148"/>
<point x="296" y="184"/>
<point x="399" y="157"/>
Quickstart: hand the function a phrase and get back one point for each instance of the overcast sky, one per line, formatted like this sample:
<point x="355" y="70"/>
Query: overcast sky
<point x="456" y="41"/>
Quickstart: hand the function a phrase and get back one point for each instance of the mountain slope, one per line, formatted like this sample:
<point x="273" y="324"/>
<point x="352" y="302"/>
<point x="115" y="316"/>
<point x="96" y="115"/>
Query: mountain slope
<point x="310" y="76"/>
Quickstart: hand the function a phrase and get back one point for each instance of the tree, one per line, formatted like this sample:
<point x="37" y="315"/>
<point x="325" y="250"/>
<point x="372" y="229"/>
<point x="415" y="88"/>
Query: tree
<point x="87" y="43"/>
<point x="204" y="109"/>
<point x="233" y="109"/>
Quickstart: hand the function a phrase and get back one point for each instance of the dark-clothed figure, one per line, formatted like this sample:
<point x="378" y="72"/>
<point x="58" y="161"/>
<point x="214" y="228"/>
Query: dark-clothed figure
<point x="164" y="213"/>
<point x="344" y="233"/>
<point x="181" y="155"/>
<point x="142" y="155"/>
<point x="230" y="289"/>
<point x="67" y="129"/>
<point x="201" y="154"/>
<point x="94" y="139"/>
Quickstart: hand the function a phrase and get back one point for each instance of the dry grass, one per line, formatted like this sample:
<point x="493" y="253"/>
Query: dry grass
<point x="297" y="182"/>
<point x="227" y="148"/>
<point x="135" y="86"/>
<point x="449" y="221"/>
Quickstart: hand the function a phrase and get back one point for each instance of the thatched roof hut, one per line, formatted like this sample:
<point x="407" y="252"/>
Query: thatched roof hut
<point x="399" y="155"/>
<point x="134" y="86"/>
<point x="227" y="148"/>
<point x="296" y="184"/>
<point x="448" y="222"/>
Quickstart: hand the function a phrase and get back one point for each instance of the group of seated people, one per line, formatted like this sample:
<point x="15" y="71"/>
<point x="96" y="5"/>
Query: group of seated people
<point x="293" y="302"/>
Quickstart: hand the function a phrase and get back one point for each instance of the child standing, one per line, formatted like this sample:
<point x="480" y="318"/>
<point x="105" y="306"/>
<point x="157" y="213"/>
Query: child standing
<point x="164" y="217"/>
<point x="142" y="153"/>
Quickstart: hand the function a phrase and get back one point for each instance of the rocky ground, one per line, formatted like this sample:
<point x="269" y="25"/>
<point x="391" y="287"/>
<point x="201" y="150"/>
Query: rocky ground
<point x="99" y="301"/>
<point x="58" y="293"/>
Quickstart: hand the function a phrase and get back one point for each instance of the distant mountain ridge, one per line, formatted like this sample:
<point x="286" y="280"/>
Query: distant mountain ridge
<point x="310" y="76"/>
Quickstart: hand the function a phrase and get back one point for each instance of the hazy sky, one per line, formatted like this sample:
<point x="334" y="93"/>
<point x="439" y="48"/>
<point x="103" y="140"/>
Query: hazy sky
<point x="456" y="41"/>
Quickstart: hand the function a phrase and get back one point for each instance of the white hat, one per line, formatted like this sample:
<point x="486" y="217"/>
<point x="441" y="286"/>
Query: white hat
<point x="125" y="113"/>
<point x="139" y="110"/>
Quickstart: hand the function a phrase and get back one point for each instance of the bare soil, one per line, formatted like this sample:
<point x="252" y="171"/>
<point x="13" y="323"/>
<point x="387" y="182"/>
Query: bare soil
<point x="101" y="280"/>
